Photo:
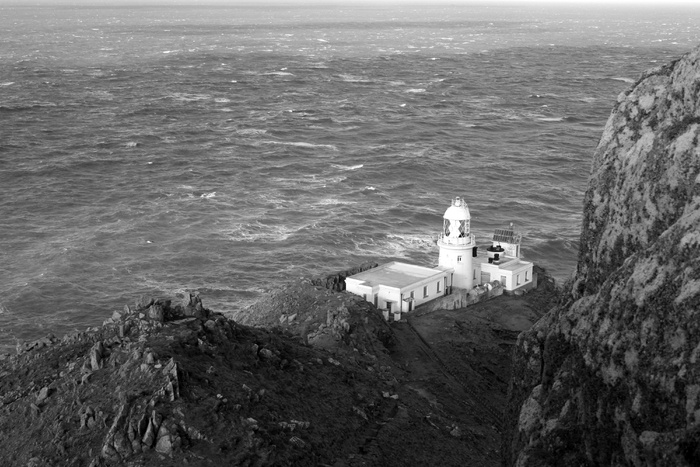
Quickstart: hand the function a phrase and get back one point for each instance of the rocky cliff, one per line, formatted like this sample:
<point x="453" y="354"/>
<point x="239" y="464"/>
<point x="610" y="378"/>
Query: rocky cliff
<point x="176" y="384"/>
<point x="611" y="376"/>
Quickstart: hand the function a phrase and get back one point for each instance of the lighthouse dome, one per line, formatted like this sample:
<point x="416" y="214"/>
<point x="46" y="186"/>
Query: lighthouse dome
<point x="458" y="211"/>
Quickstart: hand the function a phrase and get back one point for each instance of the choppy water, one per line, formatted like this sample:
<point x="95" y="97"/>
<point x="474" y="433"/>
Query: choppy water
<point x="156" y="150"/>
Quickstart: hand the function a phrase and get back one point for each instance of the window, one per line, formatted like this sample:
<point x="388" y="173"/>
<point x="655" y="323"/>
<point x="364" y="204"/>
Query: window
<point x="364" y="296"/>
<point x="527" y="279"/>
<point x="388" y="306"/>
<point x="517" y="279"/>
<point x="425" y="291"/>
<point x="376" y="300"/>
<point x="459" y="259"/>
<point x="438" y="286"/>
<point x="412" y="295"/>
<point x="474" y="274"/>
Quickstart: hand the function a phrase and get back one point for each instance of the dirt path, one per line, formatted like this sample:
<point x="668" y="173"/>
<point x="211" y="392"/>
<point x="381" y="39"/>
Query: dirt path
<point x="454" y="366"/>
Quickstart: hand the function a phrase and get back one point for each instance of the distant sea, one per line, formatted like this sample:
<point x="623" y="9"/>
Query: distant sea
<point x="160" y="150"/>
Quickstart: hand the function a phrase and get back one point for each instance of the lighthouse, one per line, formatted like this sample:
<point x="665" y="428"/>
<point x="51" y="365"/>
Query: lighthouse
<point x="457" y="245"/>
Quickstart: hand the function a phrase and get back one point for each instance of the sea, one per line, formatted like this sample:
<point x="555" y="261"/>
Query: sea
<point x="227" y="150"/>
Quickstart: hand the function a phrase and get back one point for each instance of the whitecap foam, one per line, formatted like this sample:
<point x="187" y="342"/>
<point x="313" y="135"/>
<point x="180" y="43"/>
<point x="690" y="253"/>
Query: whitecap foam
<point x="208" y="195"/>
<point x="302" y="144"/>
<point x="222" y="100"/>
<point x="624" y="80"/>
<point x="416" y="90"/>
<point x="257" y="232"/>
<point x="353" y="79"/>
<point x="551" y="119"/>
<point x="348" y="167"/>
<point x="8" y="83"/>
<point x="279" y="73"/>
<point x="334" y="202"/>
<point x="131" y="144"/>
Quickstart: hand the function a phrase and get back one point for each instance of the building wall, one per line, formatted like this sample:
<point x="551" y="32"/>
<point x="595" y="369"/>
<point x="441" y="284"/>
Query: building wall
<point x="511" y="277"/>
<point x="394" y="294"/>
<point x="462" y="298"/>
<point x="459" y="258"/>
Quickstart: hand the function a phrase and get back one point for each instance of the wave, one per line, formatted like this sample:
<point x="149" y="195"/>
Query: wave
<point x="550" y="119"/>
<point x="624" y="80"/>
<point x="251" y="132"/>
<point x="334" y="202"/>
<point x="348" y="167"/>
<point x="301" y="144"/>
<point x="187" y="97"/>
<point x="20" y="107"/>
<point x="259" y="232"/>
<point x="8" y="83"/>
<point x="354" y="79"/>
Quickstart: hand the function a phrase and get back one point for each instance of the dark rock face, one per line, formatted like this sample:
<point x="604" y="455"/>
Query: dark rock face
<point x="164" y="385"/>
<point x="612" y="375"/>
<point x="337" y="281"/>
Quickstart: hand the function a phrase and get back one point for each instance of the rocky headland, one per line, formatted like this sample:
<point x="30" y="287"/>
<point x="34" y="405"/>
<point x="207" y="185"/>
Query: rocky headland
<point x="602" y="371"/>
<point x="611" y="376"/>
<point x="321" y="379"/>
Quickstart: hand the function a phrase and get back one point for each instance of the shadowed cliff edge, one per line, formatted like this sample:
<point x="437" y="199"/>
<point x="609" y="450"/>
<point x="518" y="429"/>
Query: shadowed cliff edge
<point x="611" y="376"/>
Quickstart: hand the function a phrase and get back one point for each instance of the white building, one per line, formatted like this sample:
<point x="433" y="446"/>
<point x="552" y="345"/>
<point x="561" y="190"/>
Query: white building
<point x="399" y="287"/>
<point x="503" y="261"/>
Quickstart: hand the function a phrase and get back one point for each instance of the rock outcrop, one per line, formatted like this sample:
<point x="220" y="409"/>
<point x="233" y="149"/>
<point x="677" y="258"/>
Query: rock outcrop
<point x="611" y="376"/>
<point x="321" y="317"/>
<point x="336" y="281"/>
<point x="176" y="384"/>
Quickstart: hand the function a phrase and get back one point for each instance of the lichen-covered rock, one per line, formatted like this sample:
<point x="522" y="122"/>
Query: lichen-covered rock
<point x="612" y="375"/>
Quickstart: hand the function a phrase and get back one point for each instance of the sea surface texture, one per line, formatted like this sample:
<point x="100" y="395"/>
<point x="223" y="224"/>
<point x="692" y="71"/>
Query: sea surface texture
<point x="225" y="150"/>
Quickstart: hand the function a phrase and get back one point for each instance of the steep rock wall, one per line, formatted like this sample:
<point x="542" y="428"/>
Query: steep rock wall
<point x="611" y="376"/>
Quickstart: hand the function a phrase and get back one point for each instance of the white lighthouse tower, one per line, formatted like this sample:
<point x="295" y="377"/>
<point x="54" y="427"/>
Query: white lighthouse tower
<point x="457" y="244"/>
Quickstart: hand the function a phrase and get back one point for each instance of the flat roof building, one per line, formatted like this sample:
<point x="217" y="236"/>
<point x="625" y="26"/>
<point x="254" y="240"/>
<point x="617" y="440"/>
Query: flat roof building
<point x="400" y="287"/>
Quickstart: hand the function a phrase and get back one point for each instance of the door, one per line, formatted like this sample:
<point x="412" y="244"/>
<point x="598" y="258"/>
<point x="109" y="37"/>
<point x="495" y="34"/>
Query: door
<point x="485" y="278"/>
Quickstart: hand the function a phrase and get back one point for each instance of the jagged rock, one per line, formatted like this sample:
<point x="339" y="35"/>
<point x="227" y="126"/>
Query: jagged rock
<point x="96" y="356"/>
<point x="336" y="281"/>
<point x="164" y="445"/>
<point x="144" y="302"/>
<point x="156" y="313"/>
<point x="611" y="376"/>
<point x="43" y="395"/>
